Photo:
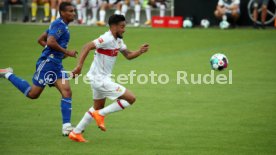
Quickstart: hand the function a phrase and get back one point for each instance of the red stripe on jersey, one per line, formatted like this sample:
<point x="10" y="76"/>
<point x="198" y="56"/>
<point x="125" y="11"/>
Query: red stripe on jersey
<point x="120" y="104"/>
<point x="108" y="52"/>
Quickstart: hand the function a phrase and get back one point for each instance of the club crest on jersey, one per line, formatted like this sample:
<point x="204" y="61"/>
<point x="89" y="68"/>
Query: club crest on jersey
<point x="59" y="32"/>
<point x="118" y="89"/>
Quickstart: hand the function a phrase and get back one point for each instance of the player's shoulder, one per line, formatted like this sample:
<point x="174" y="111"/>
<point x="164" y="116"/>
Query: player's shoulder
<point x="58" y="23"/>
<point x="106" y="37"/>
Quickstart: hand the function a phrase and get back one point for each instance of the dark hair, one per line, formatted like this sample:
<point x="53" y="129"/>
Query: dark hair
<point x="116" y="19"/>
<point x="63" y="5"/>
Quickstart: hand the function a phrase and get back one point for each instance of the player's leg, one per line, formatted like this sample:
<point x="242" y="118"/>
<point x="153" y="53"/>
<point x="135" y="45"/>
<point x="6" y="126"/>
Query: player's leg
<point x="25" y="10"/>
<point x="102" y="13"/>
<point x="121" y="103"/>
<point x="162" y="8"/>
<point x="76" y="134"/>
<point x="94" y="5"/>
<point x="87" y="118"/>
<point x="53" y="10"/>
<point x="84" y="11"/>
<point x="34" y="10"/>
<point x="147" y="6"/>
<point x="137" y="10"/>
<point x="235" y="14"/>
<point x="117" y="4"/>
<point x="46" y="18"/>
<point x="264" y="14"/>
<point x="219" y="12"/>
<point x="125" y="5"/>
<point x="255" y="13"/>
<point x="65" y="105"/>
<point x="123" y="98"/>
<point x="59" y="1"/>
<point x="22" y="85"/>
<point x="79" y="11"/>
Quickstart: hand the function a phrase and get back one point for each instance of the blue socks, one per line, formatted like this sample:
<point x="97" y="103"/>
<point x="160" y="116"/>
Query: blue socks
<point x="20" y="84"/>
<point x="66" y="109"/>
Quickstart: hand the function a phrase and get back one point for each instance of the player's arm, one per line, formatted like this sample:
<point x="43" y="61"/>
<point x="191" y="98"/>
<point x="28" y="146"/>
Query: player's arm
<point x="42" y="39"/>
<point x="52" y="43"/>
<point x="85" y="50"/>
<point x="133" y="54"/>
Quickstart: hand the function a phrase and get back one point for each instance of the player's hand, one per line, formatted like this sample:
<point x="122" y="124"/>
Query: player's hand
<point x="72" y="53"/>
<point x="76" y="72"/>
<point x="144" y="48"/>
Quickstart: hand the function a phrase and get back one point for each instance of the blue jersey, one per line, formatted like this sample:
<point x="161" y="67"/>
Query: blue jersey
<point x="49" y="65"/>
<point x="60" y="31"/>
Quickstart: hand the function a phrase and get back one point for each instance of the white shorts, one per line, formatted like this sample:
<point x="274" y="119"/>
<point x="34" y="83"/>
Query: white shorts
<point x="107" y="89"/>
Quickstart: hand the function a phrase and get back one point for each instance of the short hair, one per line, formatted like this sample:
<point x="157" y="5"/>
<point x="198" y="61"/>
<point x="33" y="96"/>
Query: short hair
<point x="116" y="19"/>
<point x="63" y="5"/>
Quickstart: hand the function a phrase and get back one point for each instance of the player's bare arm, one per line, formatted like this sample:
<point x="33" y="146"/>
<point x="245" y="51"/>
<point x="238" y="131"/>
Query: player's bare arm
<point x="52" y="43"/>
<point x="42" y="39"/>
<point x="85" y="50"/>
<point x="133" y="54"/>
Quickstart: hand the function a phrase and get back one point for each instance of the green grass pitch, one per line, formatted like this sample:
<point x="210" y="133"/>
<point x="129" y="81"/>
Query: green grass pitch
<point x="169" y="119"/>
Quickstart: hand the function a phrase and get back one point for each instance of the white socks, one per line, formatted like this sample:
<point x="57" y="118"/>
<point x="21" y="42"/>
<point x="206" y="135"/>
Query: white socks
<point x="7" y="75"/>
<point x="83" y="11"/>
<point x="65" y="125"/>
<point x="124" y="9"/>
<point x="137" y="9"/>
<point x="94" y="13"/>
<point x="53" y="12"/>
<point x="162" y="10"/>
<point x="114" y="107"/>
<point x="102" y="15"/>
<point x="148" y="12"/>
<point x="87" y="118"/>
<point x="79" y="10"/>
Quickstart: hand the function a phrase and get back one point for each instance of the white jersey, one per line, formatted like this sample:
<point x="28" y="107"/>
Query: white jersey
<point x="228" y="3"/>
<point x="107" y="48"/>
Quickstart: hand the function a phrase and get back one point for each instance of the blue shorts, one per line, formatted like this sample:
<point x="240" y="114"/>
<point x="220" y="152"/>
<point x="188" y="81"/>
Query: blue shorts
<point x="47" y="72"/>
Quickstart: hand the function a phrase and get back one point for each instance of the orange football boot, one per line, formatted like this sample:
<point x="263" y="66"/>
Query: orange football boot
<point x="76" y="137"/>
<point x="99" y="120"/>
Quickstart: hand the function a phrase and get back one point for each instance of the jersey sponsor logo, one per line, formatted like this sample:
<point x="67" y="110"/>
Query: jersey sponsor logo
<point x="100" y="40"/>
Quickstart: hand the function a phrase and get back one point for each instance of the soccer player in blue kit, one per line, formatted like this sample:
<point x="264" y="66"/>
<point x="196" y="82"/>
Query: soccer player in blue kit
<point x="49" y="66"/>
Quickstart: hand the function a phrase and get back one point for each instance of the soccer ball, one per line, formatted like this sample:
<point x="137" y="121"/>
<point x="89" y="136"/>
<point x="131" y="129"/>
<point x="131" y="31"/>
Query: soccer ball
<point x="187" y="23"/>
<point x="219" y="62"/>
<point x="205" y="23"/>
<point x="224" y="24"/>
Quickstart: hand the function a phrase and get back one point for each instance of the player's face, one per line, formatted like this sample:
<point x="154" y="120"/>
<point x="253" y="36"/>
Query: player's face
<point x="120" y="29"/>
<point x="69" y="14"/>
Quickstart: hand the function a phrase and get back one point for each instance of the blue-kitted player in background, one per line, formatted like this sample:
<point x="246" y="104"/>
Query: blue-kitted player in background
<point x="49" y="66"/>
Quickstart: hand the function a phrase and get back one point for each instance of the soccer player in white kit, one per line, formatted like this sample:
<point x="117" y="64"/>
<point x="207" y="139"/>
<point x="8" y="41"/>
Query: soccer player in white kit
<point x="107" y="48"/>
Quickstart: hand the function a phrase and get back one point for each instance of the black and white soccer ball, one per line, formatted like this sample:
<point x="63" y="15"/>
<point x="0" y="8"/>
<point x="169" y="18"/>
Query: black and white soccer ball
<point x="219" y="62"/>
